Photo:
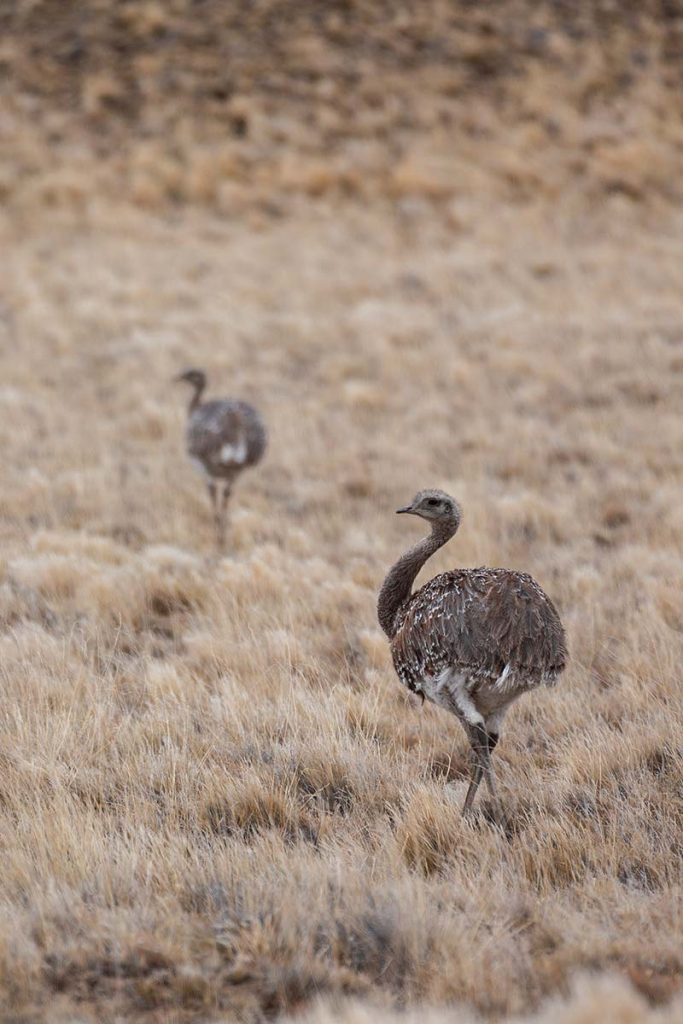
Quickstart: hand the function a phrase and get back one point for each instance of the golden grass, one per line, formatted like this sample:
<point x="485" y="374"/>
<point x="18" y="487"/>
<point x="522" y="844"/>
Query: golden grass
<point x="216" y="802"/>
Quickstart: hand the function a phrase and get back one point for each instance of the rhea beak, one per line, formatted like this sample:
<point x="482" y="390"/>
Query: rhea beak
<point x="406" y="508"/>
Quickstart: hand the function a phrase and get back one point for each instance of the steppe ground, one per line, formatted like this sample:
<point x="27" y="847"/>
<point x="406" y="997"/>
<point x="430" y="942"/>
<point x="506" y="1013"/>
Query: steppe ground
<point x="216" y="801"/>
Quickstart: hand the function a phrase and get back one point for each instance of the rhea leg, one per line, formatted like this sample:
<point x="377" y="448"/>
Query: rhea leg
<point x="482" y="743"/>
<point x="453" y="691"/>
<point x="493" y="724"/>
<point x="474" y="785"/>
<point x="222" y="513"/>
<point x="213" y="495"/>
<point x="481" y="759"/>
<point x="478" y="771"/>
<point x="490" y="780"/>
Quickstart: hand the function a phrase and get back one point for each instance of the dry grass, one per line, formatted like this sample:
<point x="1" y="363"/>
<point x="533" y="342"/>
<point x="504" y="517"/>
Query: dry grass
<point x="214" y="795"/>
<point x="216" y="802"/>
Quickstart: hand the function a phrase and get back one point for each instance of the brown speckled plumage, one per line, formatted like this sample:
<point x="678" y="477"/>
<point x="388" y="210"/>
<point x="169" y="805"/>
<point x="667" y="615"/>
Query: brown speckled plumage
<point x="224" y="437"/>
<point x="470" y="640"/>
<point x="481" y="620"/>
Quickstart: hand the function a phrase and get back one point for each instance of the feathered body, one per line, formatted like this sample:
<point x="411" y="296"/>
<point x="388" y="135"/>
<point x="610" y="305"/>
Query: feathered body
<point x="225" y="436"/>
<point x="470" y="640"/>
<point x="495" y="626"/>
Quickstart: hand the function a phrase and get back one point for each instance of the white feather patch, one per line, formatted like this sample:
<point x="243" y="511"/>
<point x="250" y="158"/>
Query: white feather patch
<point x="501" y="684"/>
<point x="231" y="453"/>
<point x="450" y="690"/>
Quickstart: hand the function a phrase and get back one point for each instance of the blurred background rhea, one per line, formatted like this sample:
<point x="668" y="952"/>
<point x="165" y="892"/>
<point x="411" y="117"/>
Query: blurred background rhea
<point x="434" y="245"/>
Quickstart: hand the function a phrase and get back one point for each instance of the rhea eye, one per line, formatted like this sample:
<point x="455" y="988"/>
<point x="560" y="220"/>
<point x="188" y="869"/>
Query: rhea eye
<point x="432" y="501"/>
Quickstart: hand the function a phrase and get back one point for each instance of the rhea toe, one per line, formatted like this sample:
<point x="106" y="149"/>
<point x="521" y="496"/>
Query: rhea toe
<point x="470" y="640"/>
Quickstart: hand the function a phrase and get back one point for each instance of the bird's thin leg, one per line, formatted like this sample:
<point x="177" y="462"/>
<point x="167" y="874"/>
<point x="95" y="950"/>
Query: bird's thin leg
<point x="490" y="779"/>
<point x="474" y="785"/>
<point x="222" y="513"/>
<point x="479" y="743"/>
<point x="213" y="494"/>
<point x="481" y="748"/>
<point x="460" y="702"/>
<point x="493" y="790"/>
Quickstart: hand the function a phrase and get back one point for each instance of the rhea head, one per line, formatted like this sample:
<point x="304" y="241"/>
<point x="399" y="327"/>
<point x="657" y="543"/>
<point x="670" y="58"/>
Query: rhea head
<point x="436" y="506"/>
<point x="197" y="378"/>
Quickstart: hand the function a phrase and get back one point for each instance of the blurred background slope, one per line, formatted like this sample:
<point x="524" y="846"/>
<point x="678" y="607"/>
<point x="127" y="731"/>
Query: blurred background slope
<point x="434" y="244"/>
<point x="220" y="103"/>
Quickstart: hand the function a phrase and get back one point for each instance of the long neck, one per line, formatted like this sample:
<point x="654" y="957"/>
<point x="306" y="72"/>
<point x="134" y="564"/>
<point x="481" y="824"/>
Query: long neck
<point x="400" y="578"/>
<point x="197" y="396"/>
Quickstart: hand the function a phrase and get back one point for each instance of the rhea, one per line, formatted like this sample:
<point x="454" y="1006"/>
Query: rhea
<point x="471" y="640"/>
<point x="224" y="437"/>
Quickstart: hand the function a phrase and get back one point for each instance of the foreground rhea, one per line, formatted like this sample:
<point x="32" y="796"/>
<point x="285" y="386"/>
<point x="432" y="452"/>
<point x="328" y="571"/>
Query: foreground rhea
<point x="470" y="640"/>
<point x="224" y="436"/>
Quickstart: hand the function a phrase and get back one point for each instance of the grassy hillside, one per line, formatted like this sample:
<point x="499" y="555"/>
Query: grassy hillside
<point x="216" y="801"/>
<point x="254" y="102"/>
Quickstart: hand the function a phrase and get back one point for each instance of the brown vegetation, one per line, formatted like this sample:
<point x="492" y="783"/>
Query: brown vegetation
<point x="216" y="802"/>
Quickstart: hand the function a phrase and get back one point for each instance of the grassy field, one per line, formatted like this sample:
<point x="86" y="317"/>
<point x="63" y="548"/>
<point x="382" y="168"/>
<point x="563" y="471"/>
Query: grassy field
<point x="216" y="801"/>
